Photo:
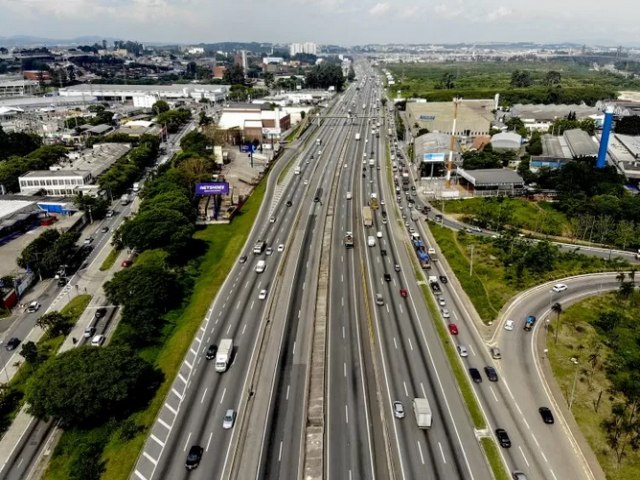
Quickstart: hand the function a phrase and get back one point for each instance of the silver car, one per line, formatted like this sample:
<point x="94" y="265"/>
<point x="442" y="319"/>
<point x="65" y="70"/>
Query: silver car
<point x="398" y="410"/>
<point x="445" y="313"/>
<point x="229" y="419"/>
<point x="462" y="350"/>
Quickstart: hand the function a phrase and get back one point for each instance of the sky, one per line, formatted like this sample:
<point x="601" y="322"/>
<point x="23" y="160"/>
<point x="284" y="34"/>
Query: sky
<point x="341" y="22"/>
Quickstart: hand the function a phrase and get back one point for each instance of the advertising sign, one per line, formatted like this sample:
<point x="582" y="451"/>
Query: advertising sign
<point x="433" y="157"/>
<point x="212" y="188"/>
<point x="427" y="118"/>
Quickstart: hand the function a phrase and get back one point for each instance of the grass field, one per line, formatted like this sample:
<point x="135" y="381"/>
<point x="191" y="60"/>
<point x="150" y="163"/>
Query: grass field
<point x="578" y="339"/>
<point x="224" y="245"/>
<point x="538" y="217"/>
<point x="110" y="260"/>
<point x="486" y="285"/>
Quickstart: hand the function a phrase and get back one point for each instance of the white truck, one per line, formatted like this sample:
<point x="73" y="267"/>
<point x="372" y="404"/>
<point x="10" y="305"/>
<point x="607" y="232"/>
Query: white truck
<point x="357" y="137"/>
<point x="224" y="354"/>
<point x="124" y="199"/>
<point x="422" y="409"/>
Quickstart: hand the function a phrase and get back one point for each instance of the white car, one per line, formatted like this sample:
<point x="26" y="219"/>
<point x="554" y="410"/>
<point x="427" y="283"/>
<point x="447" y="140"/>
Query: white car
<point x="441" y="301"/>
<point x="384" y="221"/>
<point x="281" y="247"/>
<point x="306" y="182"/>
<point x="349" y="196"/>
<point x="263" y="294"/>
<point x="98" y="340"/>
<point x="272" y="220"/>
<point x="462" y="350"/>
<point x="229" y="419"/>
<point x="268" y="251"/>
<point x="398" y="410"/>
<point x="508" y="325"/>
<point x="445" y="313"/>
<point x="559" y="287"/>
<point x="379" y="234"/>
<point x="382" y="202"/>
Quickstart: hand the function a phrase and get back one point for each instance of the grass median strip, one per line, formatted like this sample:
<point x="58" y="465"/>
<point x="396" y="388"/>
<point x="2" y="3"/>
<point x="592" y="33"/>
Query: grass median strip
<point x="495" y="460"/>
<point x="110" y="260"/>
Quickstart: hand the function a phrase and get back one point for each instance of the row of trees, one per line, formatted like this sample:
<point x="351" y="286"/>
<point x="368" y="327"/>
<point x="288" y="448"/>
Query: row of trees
<point x="325" y="75"/>
<point x="17" y="143"/>
<point x="174" y="119"/>
<point x="40" y="159"/>
<point x="50" y="250"/>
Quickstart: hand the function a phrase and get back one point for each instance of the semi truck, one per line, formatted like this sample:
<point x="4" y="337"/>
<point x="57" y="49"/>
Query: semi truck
<point x="348" y="240"/>
<point x="367" y="216"/>
<point x="422" y="409"/>
<point x="259" y="247"/>
<point x="224" y="355"/>
<point x="421" y="252"/>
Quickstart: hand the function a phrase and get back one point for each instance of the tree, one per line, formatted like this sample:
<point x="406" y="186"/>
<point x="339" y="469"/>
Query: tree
<point x="160" y="107"/>
<point x="33" y="255"/>
<point x="86" y="386"/>
<point x="521" y="79"/>
<point x="351" y="75"/>
<point x="552" y="78"/>
<point x="97" y="206"/>
<point x="629" y="125"/>
<point x="447" y="80"/>
<point x="29" y="352"/>
<point x="557" y="309"/>
<point x="324" y="76"/>
<point x="234" y="75"/>
<point x="55" y="323"/>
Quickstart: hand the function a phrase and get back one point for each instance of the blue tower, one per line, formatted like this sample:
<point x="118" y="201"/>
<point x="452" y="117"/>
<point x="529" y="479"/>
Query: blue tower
<point x="604" y="138"/>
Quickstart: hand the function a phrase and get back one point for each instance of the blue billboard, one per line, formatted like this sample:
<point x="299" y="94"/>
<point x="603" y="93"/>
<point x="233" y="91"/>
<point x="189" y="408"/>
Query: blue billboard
<point x="212" y="188"/>
<point x="433" y="157"/>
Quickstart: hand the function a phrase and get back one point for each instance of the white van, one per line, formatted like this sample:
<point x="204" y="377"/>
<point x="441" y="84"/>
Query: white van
<point x="296" y="171"/>
<point x="260" y="266"/>
<point x="371" y="241"/>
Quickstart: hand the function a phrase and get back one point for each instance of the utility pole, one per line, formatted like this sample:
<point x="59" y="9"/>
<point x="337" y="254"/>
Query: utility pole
<point x="456" y="102"/>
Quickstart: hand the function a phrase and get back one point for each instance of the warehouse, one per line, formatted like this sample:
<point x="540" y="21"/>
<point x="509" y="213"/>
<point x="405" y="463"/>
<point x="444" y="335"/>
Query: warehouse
<point x="474" y="117"/>
<point x="431" y="151"/>
<point x="491" y="180"/>
<point x="506" y="141"/>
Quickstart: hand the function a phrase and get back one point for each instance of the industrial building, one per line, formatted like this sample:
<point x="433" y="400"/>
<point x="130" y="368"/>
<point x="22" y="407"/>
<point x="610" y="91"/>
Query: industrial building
<point x="474" y="117"/>
<point x="580" y="143"/>
<point x="540" y="117"/>
<point x="500" y="180"/>
<point x="146" y="95"/>
<point x="505" y="141"/>
<point x="18" y="88"/>
<point x="431" y="151"/>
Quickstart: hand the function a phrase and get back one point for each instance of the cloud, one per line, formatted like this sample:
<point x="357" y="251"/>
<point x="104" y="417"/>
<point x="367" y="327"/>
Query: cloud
<point x="379" y="9"/>
<point x="498" y="13"/>
<point x="450" y="10"/>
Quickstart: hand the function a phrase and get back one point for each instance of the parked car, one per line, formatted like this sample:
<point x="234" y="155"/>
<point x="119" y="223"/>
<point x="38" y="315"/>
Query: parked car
<point x="89" y="332"/>
<point x="100" y="312"/>
<point x="88" y="240"/>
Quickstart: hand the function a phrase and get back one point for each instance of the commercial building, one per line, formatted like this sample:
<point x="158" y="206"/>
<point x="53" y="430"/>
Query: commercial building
<point x="146" y="95"/>
<point x="253" y="122"/>
<point x="18" y="88"/>
<point x="59" y="183"/>
<point x="494" y="180"/>
<point x="431" y="152"/>
<point x="540" y="117"/>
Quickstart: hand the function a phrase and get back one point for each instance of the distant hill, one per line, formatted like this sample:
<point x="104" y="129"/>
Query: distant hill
<point x="30" y="41"/>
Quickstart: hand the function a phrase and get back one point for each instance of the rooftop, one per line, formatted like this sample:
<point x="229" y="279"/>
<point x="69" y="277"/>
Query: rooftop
<point x="491" y="177"/>
<point x="580" y="143"/>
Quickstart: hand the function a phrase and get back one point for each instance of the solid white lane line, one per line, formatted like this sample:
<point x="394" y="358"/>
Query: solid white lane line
<point x="209" y="442"/>
<point x="444" y="460"/>
<point x="187" y="442"/>
<point x="223" y="394"/>
<point x="204" y="394"/>
<point x="410" y="344"/>
<point x="525" y="458"/>
<point x="473" y="352"/>
<point x="424" y="394"/>
<point x="421" y="455"/>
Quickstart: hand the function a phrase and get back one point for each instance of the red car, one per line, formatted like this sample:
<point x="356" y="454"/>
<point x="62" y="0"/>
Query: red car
<point x="453" y="329"/>
<point x="403" y="292"/>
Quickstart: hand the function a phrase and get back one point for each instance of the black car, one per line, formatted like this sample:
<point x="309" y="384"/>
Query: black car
<point x="101" y="312"/>
<point x="547" y="416"/>
<point x="503" y="438"/>
<point x="288" y="204"/>
<point x="13" y="343"/>
<point x="384" y="213"/>
<point x="243" y="259"/>
<point x="211" y="352"/>
<point x="413" y="188"/>
<point x="443" y="279"/>
<point x="104" y="229"/>
<point x="383" y="252"/>
<point x="387" y="277"/>
<point x="475" y="375"/>
<point x="62" y="281"/>
<point x="492" y="375"/>
<point x="193" y="457"/>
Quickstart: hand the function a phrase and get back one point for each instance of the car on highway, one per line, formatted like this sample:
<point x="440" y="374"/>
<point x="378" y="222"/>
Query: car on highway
<point x="387" y="277"/>
<point x="242" y="259"/>
<point x="12" y="344"/>
<point x="453" y="328"/>
<point x="404" y="293"/>
<point x="491" y="373"/>
<point x="281" y="248"/>
<point x="383" y="252"/>
<point x="379" y="299"/>
<point x="229" y="419"/>
<point x="462" y="350"/>
<point x="306" y="182"/>
<point x="272" y="220"/>
<point x="518" y="475"/>
<point x="384" y="221"/>
<point x="211" y="352"/>
<point x="62" y="281"/>
<point x="33" y="307"/>
<point x="495" y="353"/>
<point x="268" y="251"/>
<point x="88" y="240"/>
<point x="559" y="287"/>
<point x="547" y="416"/>
<point x="475" y="375"/>
<point x="398" y="410"/>
<point x="110" y="213"/>
<point x="263" y="294"/>
<point x="89" y="332"/>
<point x="396" y="267"/>
<point x="100" y="312"/>
<point x="98" y="340"/>
<point x="289" y="203"/>
<point x="445" y="313"/>
<point x="441" y="301"/>
<point x="379" y="234"/>
<point x="349" y="196"/>
<point x="104" y="229"/>
<point x="193" y="457"/>
<point x="444" y="279"/>
<point x="508" y="325"/>
<point x="382" y="202"/>
<point x="503" y="438"/>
